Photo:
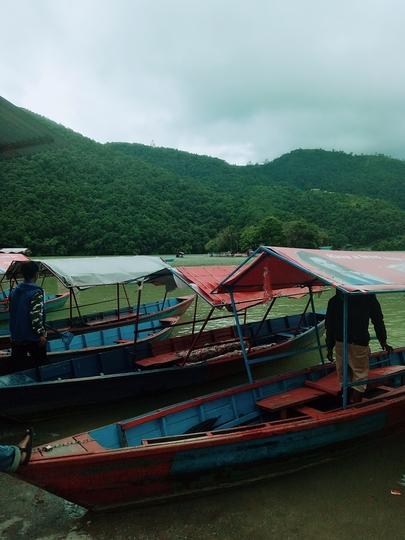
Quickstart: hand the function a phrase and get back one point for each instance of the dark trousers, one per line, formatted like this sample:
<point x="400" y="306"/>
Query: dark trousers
<point x="27" y="354"/>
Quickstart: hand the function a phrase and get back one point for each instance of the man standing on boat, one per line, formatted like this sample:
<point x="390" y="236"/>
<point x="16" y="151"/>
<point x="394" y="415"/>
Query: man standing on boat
<point x="27" y="320"/>
<point x="361" y="309"/>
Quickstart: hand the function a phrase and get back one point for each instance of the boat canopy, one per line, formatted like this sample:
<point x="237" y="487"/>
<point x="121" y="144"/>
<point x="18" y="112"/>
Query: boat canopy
<point x="204" y="280"/>
<point x="92" y="271"/>
<point x="273" y="268"/>
<point x="14" y="250"/>
<point x="7" y="258"/>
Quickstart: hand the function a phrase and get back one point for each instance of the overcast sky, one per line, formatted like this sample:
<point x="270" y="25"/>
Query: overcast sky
<point x="241" y="80"/>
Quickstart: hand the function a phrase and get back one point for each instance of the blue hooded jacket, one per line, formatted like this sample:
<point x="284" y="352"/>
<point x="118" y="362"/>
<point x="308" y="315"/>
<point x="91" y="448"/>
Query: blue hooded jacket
<point x="20" y="312"/>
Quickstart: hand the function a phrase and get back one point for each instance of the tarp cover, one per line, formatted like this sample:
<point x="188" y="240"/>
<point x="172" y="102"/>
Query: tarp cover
<point x="14" y="250"/>
<point x="351" y="271"/>
<point x="205" y="279"/>
<point x="7" y="258"/>
<point x="91" y="271"/>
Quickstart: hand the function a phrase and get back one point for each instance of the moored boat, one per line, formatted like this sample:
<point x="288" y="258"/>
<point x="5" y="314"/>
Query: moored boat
<point x="80" y="345"/>
<point x="159" y="309"/>
<point x="52" y="302"/>
<point x="245" y="432"/>
<point x="153" y="367"/>
<point x="216" y="441"/>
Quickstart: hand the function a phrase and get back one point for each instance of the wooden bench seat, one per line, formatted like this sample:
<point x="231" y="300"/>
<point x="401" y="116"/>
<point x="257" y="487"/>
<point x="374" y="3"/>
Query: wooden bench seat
<point x="297" y="396"/>
<point x="158" y="360"/>
<point x="331" y="385"/>
<point x="310" y="411"/>
<point x="386" y="371"/>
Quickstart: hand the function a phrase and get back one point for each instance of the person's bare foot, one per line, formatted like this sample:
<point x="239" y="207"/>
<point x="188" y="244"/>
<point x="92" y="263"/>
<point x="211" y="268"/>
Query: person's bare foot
<point x="25" y="447"/>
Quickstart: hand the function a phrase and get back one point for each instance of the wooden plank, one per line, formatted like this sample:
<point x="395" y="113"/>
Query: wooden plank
<point x="297" y="396"/>
<point x="329" y="384"/>
<point x="158" y="360"/>
<point x="387" y="371"/>
<point x="310" y="411"/>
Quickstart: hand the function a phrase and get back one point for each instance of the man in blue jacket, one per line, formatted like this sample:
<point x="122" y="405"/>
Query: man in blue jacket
<point x="27" y="320"/>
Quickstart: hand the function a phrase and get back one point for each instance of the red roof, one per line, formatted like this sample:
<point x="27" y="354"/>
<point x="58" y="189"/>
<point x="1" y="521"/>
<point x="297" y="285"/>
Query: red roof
<point x="7" y="258"/>
<point x="351" y="271"/>
<point x="204" y="280"/>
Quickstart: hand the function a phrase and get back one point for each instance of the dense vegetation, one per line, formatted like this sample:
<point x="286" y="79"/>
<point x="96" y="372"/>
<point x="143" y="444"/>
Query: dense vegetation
<point x="71" y="195"/>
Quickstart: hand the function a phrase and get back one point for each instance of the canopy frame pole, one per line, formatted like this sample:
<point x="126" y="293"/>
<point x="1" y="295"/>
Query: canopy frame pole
<point x="138" y="309"/>
<point x="126" y="295"/>
<point x="70" y="307"/>
<point x="240" y="334"/>
<point x="76" y="304"/>
<point x="318" y="339"/>
<point x="345" y="349"/>
<point x="264" y="317"/>
<point x="194" y="315"/>
<point x="2" y="290"/>
<point x="118" y="302"/>
<point x="196" y="338"/>
<point x="164" y="299"/>
<point x="305" y="310"/>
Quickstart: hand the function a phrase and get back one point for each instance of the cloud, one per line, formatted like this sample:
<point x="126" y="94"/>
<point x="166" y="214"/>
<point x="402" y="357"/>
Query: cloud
<point x="241" y="81"/>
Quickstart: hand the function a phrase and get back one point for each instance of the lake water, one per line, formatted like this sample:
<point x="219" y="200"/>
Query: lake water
<point x="344" y="496"/>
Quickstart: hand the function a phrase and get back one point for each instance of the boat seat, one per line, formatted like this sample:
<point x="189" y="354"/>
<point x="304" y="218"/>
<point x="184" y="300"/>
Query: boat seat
<point x="331" y="385"/>
<point x="310" y="411"/>
<point x="286" y="334"/>
<point x="385" y="372"/>
<point x="297" y="396"/>
<point x="158" y="360"/>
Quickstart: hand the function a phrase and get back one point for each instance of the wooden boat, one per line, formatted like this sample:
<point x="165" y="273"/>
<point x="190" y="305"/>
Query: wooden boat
<point x="153" y="367"/>
<point x="159" y="309"/>
<point x="246" y="432"/>
<point x="52" y="302"/>
<point x="216" y="441"/>
<point x="87" y="343"/>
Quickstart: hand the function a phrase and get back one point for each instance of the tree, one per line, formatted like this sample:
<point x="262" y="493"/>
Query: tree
<point x="300" y="233"/>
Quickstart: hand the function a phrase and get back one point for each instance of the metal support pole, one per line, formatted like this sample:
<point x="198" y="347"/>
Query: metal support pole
<point x="164" y="299"/>
<point x="77" y="305"/>
<point x="198" y="335"/>
<point x="138" y="308"/>
<point x="118" y="302"/>
<point x="318" y="339"/>
<point x="240" y="334"/>
<point x="195" y="314"/>
<point x="127" y="297"/>
<point x="264" y="318"/>
<point x="305" y="310"/>
<point x="345" y="349"/>
<point x="70" y="307"/>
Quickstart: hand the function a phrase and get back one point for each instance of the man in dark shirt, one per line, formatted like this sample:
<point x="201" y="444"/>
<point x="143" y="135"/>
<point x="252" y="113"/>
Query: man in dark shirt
<point x="27" y="320"/>
<point x="361" y="309"/>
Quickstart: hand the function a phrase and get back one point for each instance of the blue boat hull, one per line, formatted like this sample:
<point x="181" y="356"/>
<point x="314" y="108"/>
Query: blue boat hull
<point x="165" y="454"/>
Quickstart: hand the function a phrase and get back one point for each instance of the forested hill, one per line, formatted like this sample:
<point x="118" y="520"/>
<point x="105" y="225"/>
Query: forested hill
<point x="74" y="196"/>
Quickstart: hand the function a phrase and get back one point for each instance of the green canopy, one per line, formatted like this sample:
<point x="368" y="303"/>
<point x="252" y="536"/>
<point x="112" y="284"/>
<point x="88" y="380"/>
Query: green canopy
<point x="91" y="271"/>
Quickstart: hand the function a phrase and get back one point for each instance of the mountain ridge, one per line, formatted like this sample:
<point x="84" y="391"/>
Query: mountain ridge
<point x="79" y="196"/>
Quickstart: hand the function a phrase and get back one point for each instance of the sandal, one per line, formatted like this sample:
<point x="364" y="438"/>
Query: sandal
<point x="25" y="447"/>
